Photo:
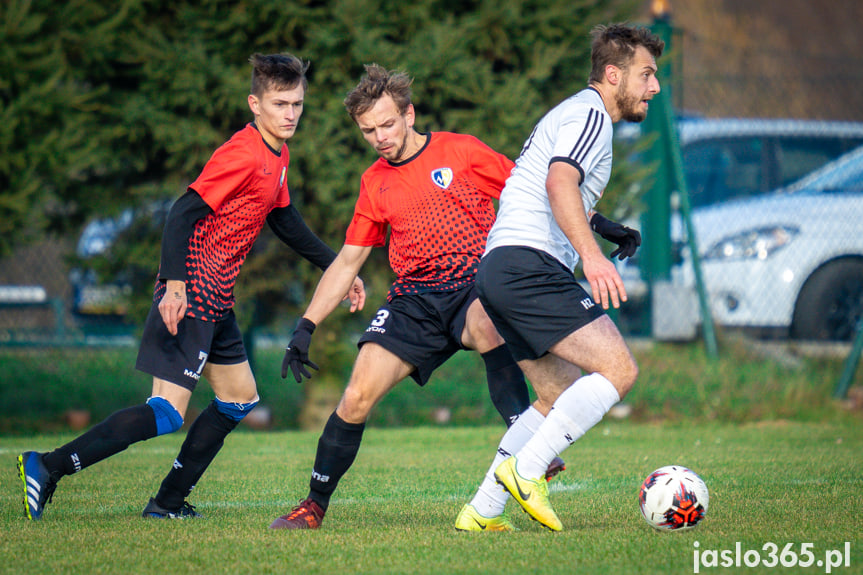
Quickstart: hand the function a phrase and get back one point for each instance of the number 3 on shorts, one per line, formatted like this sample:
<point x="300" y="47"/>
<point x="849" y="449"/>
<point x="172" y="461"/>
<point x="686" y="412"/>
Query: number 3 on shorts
<point x="381" y="318"/>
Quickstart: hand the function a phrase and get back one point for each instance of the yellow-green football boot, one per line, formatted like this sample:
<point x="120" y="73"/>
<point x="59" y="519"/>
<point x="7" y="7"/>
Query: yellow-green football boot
<point x="469" y="519"/>
<point x="531" y="494"/>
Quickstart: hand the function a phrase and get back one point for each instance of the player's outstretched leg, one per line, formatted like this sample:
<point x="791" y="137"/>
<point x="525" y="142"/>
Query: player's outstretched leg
<point x="39" y="484"/>
<point x="306" y="515"/>
<point x="508" y="391"/>
<point x="40" y="472"/>
<point x="530" y="493"/>
<point x="469" y="519"/>
<point x="337" y="450"/>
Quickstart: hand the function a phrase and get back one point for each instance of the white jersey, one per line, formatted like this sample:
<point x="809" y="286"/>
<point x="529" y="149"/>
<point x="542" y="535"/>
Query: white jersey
<point x="577" y="131"/>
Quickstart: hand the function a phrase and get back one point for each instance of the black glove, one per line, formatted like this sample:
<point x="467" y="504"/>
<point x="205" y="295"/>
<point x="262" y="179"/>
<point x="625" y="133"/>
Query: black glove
<point x="627" y="239"/>
<point x="297" y="352"/>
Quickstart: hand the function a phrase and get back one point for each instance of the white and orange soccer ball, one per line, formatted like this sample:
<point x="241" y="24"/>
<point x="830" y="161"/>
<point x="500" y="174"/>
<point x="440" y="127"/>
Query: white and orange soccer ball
<point x="673" y="498"/>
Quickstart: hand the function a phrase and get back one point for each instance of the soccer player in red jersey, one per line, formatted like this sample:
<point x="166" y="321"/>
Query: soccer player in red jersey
<point x="435" y="192"/>
<point x="191" y="331"/>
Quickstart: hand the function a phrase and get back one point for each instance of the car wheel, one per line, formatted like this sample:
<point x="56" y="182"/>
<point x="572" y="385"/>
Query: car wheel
<point x="830" y="304"/>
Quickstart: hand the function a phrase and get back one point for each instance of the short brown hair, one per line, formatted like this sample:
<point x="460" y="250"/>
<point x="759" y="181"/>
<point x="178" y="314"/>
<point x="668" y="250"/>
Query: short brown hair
<point x="277" y="72"/>
<point x="615" y="45"/>
<point x="377" y="82"/>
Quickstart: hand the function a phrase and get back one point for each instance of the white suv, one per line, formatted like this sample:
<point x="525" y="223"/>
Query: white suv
<point x="733" y="159"/>
<point x="788" y="262"/>
<point x="728" y="158"/>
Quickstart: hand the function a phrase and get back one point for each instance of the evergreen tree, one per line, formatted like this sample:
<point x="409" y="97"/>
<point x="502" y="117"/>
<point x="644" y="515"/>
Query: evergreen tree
<point x="118" y="105"/>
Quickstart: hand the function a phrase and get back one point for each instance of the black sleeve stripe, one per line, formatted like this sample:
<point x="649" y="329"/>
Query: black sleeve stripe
<point x="581" y="138"/>
<point x="572" y="163"/>
<point x="529" y="140"/>
<point x="588" y="137"/>
<point x="289" y="226"/>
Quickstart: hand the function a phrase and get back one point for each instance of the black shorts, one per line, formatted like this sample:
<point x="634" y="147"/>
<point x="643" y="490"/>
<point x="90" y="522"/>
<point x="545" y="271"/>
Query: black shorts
<point x="181" y="358"/>
<point x="533" y="300"/>
<point x="422" y="329"/>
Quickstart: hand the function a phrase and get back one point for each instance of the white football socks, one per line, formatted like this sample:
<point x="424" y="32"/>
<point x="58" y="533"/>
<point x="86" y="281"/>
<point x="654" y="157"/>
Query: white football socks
<point x="490" y="499"/>
<point x="577" y="409"/>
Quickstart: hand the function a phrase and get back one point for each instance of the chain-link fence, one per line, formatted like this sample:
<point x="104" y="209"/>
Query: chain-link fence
<point x="774" y="208"/>
<point x="776" y="211"/>
<point x="48" y="298"/>
<point x="34" y="294"/>
<point x="743" y="86"/>
<point x="769" y="205"/>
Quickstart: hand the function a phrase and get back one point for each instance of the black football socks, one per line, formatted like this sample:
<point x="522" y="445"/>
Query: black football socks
<point x="113" y="435"/>
<point x="337" y="449"/>
<point x="506" y="384"/>
<point x="203" y="441"/>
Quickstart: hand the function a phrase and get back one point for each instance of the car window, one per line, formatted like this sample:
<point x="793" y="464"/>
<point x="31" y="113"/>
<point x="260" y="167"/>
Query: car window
<point x="796" y="157"/>
<point x="844" y="176"/>
<point x="724" y="169"/>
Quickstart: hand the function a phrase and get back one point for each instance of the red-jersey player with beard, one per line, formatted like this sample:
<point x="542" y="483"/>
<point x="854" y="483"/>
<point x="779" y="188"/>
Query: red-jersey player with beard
<point x="434" y="192"/>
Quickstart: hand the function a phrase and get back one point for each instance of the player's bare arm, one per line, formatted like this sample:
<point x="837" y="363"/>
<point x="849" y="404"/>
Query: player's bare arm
<point x="566" y="204"/>
<point x="340" y="280"/>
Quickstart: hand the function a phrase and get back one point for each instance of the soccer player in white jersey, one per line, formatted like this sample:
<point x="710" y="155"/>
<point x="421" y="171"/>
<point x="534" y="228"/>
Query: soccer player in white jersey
<point x="568" y="348"/>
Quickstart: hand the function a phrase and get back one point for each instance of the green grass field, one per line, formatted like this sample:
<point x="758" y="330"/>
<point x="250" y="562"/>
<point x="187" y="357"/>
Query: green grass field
<point x="778" y="482"/>
<point x="677" y="383"/>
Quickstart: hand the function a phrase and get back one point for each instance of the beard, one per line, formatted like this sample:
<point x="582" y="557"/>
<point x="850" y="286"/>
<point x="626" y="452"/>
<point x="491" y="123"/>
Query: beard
<point x="629" y="106"/>
<point x="395" y="154"/>
<point x="401" y="150"/>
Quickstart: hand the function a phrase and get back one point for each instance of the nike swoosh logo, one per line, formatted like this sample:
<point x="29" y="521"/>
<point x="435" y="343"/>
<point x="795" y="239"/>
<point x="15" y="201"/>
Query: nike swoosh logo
<point x="524" y="496"/>
<point x="481" y="525"/>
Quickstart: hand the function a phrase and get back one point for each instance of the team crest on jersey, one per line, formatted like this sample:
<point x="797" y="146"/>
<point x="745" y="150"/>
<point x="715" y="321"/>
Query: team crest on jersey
<point x="442" y="177"/>
<point x="282" y="177"/>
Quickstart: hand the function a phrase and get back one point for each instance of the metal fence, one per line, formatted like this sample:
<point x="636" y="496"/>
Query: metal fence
<point x="750" y="220"/>
<point x="774" y="263"/>
<point x="773" y="207"/>
<point x="48" y="298"/>
<point x="35" y="294"/>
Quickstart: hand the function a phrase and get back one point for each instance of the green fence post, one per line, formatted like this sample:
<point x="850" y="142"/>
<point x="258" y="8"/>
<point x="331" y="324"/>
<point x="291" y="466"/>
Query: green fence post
<point x="656" y="220"/>
<point x="679" y="179"/>
<point x="669" y="176"/>
<point x="850" y="365"/>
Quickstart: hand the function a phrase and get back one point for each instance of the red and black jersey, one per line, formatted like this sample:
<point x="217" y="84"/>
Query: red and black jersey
<point x="242" y="182"/>
<point x="438" y="206"/>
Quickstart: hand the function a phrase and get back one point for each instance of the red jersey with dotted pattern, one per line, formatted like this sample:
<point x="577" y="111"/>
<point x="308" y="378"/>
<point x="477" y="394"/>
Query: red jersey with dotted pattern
<point x="242" y="182"/>
<point x="438" y="206"/>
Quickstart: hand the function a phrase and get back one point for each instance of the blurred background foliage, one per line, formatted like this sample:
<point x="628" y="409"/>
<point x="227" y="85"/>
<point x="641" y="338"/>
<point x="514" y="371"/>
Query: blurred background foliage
<point x="110" y="106"/>
<point x="118" y="105"/>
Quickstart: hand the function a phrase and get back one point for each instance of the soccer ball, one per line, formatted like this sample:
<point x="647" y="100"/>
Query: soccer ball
<point x="673" y="498"/>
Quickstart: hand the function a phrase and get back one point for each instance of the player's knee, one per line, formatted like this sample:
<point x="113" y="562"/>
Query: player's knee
<point x="627" y="374"/>
<point x="235" y="411"/>
<point x="168" y="419"/>
<point x="355" y="405"/>
<point x="482" y="335"/>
